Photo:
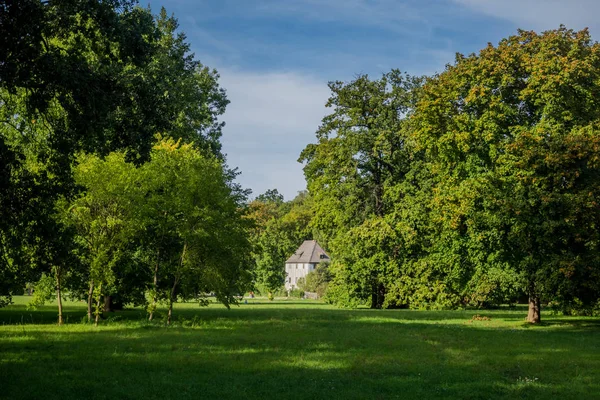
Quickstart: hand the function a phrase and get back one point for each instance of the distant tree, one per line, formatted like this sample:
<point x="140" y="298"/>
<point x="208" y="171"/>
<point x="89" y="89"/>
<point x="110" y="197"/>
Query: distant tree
<point x="279" y="228"/>
<point x="317" y="281"/>
<point x="270" y="196"/>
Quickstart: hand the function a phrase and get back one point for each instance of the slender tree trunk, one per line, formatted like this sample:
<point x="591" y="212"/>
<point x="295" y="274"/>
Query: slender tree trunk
<point x="175" y="282"/>
<point x="155" y="286"/>
<point x="171" y="300"/>
<point x="534" y="315"/>
<point x="89" y="301"/>
<point x="377" y="295"/>
<point x="57" y="272"/>
<point x="97" y="311"/>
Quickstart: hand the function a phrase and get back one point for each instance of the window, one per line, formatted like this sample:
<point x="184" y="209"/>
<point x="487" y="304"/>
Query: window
<point x="322" y="256"/>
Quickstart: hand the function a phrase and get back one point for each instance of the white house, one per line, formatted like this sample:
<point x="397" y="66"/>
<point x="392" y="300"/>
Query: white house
<point x="303" y="261"/>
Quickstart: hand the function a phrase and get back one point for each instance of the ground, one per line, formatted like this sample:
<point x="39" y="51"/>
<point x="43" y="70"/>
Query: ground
<point x="297" y="350"/>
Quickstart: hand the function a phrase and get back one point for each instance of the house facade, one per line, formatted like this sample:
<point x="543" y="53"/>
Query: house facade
<point x="303" y="261"/>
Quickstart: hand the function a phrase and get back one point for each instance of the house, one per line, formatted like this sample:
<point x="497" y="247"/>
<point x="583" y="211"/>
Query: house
<point x="303" y="261"/>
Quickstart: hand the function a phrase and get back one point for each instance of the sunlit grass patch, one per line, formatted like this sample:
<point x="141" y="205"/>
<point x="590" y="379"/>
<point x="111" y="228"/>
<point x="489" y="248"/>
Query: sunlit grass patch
<point x="298" y="350"/>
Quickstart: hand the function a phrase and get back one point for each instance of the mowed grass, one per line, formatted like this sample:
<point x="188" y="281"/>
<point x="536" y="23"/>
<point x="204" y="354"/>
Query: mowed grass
<point x="297" y="350"/>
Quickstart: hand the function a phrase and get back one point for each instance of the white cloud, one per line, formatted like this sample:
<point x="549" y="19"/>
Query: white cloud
<point x="541" y="14"/>
<point x="271" y="118"/>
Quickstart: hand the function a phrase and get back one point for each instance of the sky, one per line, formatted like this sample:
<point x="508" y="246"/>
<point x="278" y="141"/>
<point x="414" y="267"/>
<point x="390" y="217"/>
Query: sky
<point x="275" y="58"/>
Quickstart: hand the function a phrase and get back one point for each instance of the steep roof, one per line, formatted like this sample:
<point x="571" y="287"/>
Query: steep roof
<point x="309" y="252"/>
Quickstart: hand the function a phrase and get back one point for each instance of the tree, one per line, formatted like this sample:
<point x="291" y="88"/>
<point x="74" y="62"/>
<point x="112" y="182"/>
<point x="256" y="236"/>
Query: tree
<point x="279" y="227"/>
<point x="192" y="230"/>
<point x="94" y="76"/>
<point x="317" y="281"/>
<point x="102" y="217"/>
<point x="513" y="134"/>
<point x="361" y="151"/>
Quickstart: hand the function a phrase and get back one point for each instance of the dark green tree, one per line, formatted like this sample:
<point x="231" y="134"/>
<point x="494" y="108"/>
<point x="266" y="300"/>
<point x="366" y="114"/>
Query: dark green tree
<point x="96" y="76"/>
<point x="361" y="151"/>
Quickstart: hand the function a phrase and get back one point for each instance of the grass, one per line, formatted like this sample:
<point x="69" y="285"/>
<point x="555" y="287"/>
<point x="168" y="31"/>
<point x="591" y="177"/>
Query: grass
<point x="297" y="350"/>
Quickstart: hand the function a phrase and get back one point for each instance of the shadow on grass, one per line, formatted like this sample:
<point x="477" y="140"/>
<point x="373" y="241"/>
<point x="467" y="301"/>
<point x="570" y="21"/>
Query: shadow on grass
<point x="19" y="315"/>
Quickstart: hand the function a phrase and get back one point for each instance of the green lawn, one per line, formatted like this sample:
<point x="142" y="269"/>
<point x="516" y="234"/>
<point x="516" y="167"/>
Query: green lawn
<point x="297" y="350"/>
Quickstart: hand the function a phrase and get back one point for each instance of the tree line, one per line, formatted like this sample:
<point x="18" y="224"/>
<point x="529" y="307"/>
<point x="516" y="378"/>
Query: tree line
<point x="473" y="187"/>
<point x="115" y="189"/>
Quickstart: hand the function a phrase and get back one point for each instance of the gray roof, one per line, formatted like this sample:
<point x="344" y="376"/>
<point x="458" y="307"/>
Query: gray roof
<point x="309" y="252"/>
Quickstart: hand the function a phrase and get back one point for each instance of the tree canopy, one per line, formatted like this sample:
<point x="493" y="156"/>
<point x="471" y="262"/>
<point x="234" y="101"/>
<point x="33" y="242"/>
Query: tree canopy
<point x="470" y="187"/>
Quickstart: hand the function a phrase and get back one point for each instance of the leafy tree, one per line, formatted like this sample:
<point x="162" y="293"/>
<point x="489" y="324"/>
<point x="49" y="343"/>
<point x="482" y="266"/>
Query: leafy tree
<point x="271" y="196"/>
<point x="102" y="217"/>
<point x="361" y="151"/>
<point x="96" y="76"/>
<point x="317" y="281"/>
<point x="279" y="227"/>
<point x="192" y="226"/>
<point x="513" y="134"/>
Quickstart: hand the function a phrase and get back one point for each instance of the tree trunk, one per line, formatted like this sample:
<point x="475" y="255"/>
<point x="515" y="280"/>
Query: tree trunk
<point x="108" y="304"/>
<point x="171" y="299"/>
<point x="374" y="296"/>
<point x="533" y="316"/>
<point x="89" y="301"/>
<point x="380" y="295"/>
<point x="177" y="275"/>
<point x="57" y="272"/>
<point x="155" y="286"/>
<point x="377" y="295"/>
<point x="97" y="311"/>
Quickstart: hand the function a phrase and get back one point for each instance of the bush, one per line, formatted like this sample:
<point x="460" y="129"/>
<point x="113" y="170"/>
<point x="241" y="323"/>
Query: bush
<point x="298" y="293"/>
<point x="317" y="281"/>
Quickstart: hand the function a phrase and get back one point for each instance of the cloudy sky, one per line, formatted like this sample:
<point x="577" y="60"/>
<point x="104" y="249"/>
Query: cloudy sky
<point x="275" y="58"/>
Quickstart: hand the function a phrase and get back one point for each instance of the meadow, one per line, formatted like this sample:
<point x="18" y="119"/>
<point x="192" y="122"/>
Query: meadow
<point x="295" y="349"/>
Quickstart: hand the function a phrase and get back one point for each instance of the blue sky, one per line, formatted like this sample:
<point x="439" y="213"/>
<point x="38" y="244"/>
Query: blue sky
<point x="275" y="58"/>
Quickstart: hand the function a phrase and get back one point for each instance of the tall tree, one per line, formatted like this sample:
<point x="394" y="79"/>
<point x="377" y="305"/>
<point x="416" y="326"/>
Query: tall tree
<point x="95" y="76"/>
<point x="513" y="134"/>
<point x="361" y="150"/>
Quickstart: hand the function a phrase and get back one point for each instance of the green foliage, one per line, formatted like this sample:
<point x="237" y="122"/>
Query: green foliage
<point x="296" y="293"/>
<point x="470" y="189"/>
<point x="93" y="76"/>
<point x="279" y="228"/>
<point x="316" y="281"/>
<point x="512" y="134"/>
<point x="362" y="151"/>
<point x="43" y="291"/>
<point x="176" y="221"/>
